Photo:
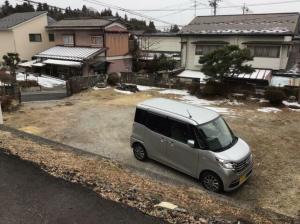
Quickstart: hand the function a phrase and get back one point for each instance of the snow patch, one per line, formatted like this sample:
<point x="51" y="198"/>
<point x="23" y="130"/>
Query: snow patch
<point x="42" y="80"/>
<point x="269" y="110"/>
<point x="146" y="88"/>
<point x="175" y="91"/>
<point x="125" y="92"/>
<point x="96" y="88"/>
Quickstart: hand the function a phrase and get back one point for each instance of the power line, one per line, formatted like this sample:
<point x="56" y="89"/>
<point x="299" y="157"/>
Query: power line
<point x="232" y="6"/>
<point x="128" y="11"/>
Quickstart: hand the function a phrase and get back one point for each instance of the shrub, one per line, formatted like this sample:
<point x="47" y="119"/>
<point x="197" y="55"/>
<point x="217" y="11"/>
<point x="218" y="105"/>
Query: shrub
<point x="212" y="88"/>
<point x="246" y="94"/>
<point x="275" y="96"/>
<point x="113" y="79"/>
<point x="296" y="93"/>
<point x="193" y="87"/>
<point x="6" y="102"/>
<point x="28" y="83"/>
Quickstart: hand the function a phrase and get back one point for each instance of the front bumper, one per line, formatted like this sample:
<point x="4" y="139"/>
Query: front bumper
<point x="231" y="180"/>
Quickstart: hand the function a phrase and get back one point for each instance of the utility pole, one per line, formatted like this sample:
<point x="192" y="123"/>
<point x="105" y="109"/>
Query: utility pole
<point x="214" y="5"/>
<point x="246" y="9"/>
<point x="195" y="5"/>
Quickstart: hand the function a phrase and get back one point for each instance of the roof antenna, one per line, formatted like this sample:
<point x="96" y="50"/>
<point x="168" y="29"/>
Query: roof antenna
<point x="189" y="113"/>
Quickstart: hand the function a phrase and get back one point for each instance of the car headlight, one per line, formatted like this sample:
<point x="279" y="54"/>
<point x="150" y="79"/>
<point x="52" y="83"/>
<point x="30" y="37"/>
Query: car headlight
<point x="226" y="164"/>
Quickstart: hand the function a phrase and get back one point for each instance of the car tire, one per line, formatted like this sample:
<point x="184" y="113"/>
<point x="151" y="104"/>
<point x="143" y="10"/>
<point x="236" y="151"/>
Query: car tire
<point x="211" y="182"/>
<point x="140" y="152"/>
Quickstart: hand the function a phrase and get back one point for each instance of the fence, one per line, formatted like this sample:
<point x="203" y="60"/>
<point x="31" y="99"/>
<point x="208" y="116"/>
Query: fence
<point x="154" y="80"/>
<point x="77" y="84"/>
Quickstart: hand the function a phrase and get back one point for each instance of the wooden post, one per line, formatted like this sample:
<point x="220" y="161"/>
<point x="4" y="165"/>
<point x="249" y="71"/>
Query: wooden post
<point x="1" y="117"/>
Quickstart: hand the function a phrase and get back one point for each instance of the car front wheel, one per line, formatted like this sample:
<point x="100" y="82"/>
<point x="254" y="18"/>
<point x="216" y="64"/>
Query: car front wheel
<point x="211" y="182"/>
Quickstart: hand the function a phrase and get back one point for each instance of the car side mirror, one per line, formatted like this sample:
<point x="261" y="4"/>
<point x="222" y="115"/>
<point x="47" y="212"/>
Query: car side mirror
<point x="191" y="143"/>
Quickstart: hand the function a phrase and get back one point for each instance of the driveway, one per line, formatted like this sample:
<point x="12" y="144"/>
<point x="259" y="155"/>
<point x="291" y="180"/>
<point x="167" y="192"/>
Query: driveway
<point x="30" y="195"/>
<point x="43" y="96"/>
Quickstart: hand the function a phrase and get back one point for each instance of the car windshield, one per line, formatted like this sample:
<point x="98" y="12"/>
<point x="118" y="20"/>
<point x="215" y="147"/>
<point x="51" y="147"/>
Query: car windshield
<point x="217" y="134"/>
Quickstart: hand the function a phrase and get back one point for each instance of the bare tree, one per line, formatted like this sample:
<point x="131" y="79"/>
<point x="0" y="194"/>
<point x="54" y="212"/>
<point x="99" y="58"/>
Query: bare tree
<point x="149" y="43"/>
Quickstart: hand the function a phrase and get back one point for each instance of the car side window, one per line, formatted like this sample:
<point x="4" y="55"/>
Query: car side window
<point x="140" y="116"/>
<point x="179" y="131"/>
<point x="156" y="123"/>
<point x="200" y="142"/>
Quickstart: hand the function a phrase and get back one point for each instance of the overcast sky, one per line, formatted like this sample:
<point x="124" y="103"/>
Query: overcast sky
<point x="181" y="18"/>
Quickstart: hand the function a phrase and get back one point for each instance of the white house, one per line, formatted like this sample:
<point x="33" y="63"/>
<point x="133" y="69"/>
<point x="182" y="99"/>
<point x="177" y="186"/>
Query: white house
<point x="268" y="36"/>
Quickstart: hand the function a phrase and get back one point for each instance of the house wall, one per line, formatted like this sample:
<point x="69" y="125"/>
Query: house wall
<point x="258" y="62"/>
<point x="171" y="44"/>
<point x="119" y="65"/>
<point x="24" y="47"/>
<point x="117" y="44"/>
<point x="6" y="43"/>
<point x="82" y="37"/>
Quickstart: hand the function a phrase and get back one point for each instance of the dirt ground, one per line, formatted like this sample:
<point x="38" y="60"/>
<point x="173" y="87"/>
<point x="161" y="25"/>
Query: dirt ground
<point x="111" y="181"/>
<point x="101" y="122"/>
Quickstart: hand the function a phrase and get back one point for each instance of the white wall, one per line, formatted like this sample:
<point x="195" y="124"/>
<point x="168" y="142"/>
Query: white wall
<point x="171" y="44"/>
<point x="6" y="43"/>
<point x="24" y="47"/>
<point x="258" y="62"/>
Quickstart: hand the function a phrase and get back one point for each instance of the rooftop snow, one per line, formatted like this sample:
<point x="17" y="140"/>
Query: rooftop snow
<point x="70" y="53"/>
<point x="65" y="63"/>
<point x="260" y="24"/>
<point x="192" y="74"/>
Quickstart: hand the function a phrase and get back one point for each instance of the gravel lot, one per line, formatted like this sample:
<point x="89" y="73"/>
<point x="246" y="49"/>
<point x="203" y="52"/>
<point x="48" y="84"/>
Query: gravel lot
<point x="101" y="122"/>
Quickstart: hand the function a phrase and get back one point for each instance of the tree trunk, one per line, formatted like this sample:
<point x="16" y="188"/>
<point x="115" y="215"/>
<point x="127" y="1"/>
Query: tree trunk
<point x="299" y="95"/>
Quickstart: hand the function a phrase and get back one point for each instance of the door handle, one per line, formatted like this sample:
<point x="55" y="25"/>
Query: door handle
<point x="171" y="143"/>
<point x="162" y="139"/>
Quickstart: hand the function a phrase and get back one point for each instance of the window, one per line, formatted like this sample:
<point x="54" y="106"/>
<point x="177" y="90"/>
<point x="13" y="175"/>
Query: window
<point x="68" y="39"/>
<point x="140" y="116"/>
<point x="265" y="51"/>
<point x="51" y="37"/>
<point x="35" y="37"/>
<point x="204" y="49"/>
<point x="156" y="123"/>
<point x="97" y="40"/>
<point x="179" y="131"/>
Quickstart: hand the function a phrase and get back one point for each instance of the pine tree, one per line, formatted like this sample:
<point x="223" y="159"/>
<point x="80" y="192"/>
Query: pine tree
<point x="84" y="10"/>
<point x="174" y="29"/>
<point x="117" y="14"/>
<point x="39" y="7"/>
<point x="45" y="7"/>
<point x="126" y="18"/>
<point x="229" y="59"/>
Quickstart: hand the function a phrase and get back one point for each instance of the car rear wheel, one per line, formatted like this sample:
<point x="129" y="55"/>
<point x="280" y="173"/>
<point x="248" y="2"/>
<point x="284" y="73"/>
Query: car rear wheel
<point x="211" y="181"/>
<point x="139" y="152"/>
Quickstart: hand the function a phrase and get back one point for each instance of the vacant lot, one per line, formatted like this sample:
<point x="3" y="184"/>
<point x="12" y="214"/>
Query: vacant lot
<point x="101" y="121"/>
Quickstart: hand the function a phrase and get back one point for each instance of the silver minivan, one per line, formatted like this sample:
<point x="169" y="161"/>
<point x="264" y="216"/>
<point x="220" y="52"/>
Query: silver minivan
<point x="193" y="140"/>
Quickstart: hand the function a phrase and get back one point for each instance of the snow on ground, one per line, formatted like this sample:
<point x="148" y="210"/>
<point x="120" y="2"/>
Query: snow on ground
<point x="125" y="92"/>
<point x="291" y="104"/>
<point x="146" y="88"/>
<point x="96" y="88"/>
<point x="269" y="110"/>
<point x="44" y="81"/>
<point x="175" y="91"/>
<point x="199" y="102"/>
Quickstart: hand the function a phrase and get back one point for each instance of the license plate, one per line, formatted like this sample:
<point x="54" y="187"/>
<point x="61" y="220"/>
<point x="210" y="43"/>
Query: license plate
<point x="243" y="178"/>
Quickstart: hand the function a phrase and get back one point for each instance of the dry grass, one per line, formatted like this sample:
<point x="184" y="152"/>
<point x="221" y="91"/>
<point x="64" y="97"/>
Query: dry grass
<point x="273" y="138"/>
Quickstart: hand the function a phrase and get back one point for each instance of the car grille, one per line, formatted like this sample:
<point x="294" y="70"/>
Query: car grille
<point x="244" y="164"/>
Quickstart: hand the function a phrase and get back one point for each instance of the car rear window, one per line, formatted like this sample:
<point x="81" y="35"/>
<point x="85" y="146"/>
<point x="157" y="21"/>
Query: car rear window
<point x="140" y="116"/>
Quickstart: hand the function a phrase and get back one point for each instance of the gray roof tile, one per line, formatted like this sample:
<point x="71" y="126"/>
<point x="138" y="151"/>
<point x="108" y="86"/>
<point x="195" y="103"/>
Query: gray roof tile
<point x="81" y="23"/>
<point x="257" y="24"/>
<point x="18" y="18"/>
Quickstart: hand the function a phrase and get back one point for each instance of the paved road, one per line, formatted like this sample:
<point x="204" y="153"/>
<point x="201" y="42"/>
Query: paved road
<point x="43" y="96"/>
<point x="30" y="195"/>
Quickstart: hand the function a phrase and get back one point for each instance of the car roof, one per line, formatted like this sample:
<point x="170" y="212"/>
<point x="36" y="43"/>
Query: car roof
<point x="199" y="115"/>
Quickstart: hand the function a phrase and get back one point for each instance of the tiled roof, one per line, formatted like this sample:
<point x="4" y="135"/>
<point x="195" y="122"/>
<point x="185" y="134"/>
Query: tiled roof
<point x="250" y="24"/>
<point x="159" y="34"/>
<point x="17" y="18"/>
<point x="70" y="53"/>
<point x="81" y="23"/>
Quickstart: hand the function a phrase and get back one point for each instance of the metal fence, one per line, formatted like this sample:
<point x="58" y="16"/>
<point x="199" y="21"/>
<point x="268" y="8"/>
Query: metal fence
<point x="77" y="84"/>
